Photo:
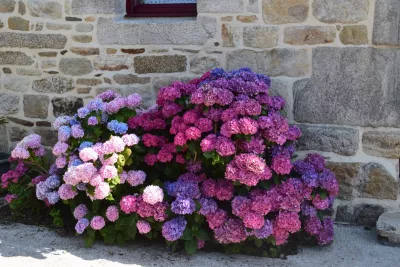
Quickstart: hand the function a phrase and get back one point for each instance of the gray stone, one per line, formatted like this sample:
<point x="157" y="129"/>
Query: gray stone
<point x="58" y="27"/>
<point x="48" y="63"/>
<point x="281" y="87"/>
<point x="45" y="9"/>
<point x="285" y="11"/>
<point x="29" y="72"/>
<point x="222" y="6"/>
<point x="17" y="133"/>
<point x="7" y="71"/>
<point x="260" y="36"/>
<point x="58" y="85"/>
<point x="247" y="19"/>
<point x="84" y="27"/>
<point x="341" y="11"/>
<point x="275" y="62"/>
<point x="17" y="84"/>
<point x="253" y="6"/>
<point x="159" y="82"/>
<point x="1" y="24"/>
<point x="367" y="97"/>
<point x="9" y="104"/>
<point x="4" y="139"/>
<point x="36" y="106"/>
<point x="113" y="63"/>
<point x="85" y="51"/>
<point x="7" y="6"/>
<point x="84" y="90"/>
<point x="147" y="32"/>
<point x="309" y="35"/>
<point x="378" y="183"/>
<point x="48" y="54"/>
<point x="76" y="66"/>
<point x="15" y="58"/>
<point x="82" y="38"/>
<point x="370" y="180"/>
<point x="21" y="8"/>
<point x="21" y="122"/>
<point x="230" y="35"/>
<point x="362" y="214"/>
<point x="349" y="176"/>
<point x="340" y="140"/>
<point x="386" y="22"/>
<point x="49" y="136"/>
<point x="80" y="7"/>
<point x="160" y="64"/>
<point x="18" y="24"/>
<point x="382" y="144"/>
<point x="32" y="40"/>
<point x="66" y="106"/>
<point x="202" y="64"/>
<point x="388" y="228"/>
<point x="354" y="35"/>
<point x="88" y="82"/>
<point x="130" y="79"/>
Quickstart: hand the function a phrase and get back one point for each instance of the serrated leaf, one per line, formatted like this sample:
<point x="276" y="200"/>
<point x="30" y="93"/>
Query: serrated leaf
<point x="191" y="246"/>
<point x="110" y="238"/>
<point x="187" y="234"/>
<point x="89" y="240"/>
<point x="203" y="235"/>
<point x="258" y="243"/>
<point x="121" y="239"/>
<point x="132" y="230"/>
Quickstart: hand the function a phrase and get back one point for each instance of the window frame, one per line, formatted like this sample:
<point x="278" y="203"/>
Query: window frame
<point x="135" y="9"/>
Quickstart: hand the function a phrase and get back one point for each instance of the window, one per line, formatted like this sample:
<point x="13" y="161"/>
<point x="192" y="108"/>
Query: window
<point x="161" y="8"/>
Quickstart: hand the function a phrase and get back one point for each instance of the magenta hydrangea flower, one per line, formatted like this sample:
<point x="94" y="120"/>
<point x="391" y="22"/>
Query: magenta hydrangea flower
<point x="128" y="204"/>
<point x="224" y="146"/>
<point x="10" y="197"/>
<point x="281" y="164"/>
<point x="97" y="223"/>
<point x="192" y="133"/>
<point x="112" y="213"/>
<point x="153" y="194"/>
<point x="143" y="227"/>
<point x="233" y="231"/>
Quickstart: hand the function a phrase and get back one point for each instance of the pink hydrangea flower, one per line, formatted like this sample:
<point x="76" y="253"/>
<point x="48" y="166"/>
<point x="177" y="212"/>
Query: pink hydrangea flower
<point x="97" y="223"/>
<point x="101" y="191"/>
<point x="112" y="213"/>
<point x="108" y="172"/>
<point x="143" y="227"/>
<point x="128" y="204"/>
<point x="88" y="154"/>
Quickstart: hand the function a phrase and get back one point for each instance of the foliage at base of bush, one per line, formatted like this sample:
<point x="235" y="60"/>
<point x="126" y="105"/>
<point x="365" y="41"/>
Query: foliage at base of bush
<point x="210" y="164"/>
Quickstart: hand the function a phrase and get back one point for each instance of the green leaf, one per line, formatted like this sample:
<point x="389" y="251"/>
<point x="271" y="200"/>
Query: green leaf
<point x="132" y="230"/>
<point x="191" y="246"/>
<point x="96" y="205"/>
<point x="323" y="195"/>
<point x="208" y="155"/>
<point x="121" y="239"/>
<point x="187" y="235"/>
<point x="258" y="243"/>
<point x="110" y="238"/>
<point x="121" y="160"/>
<point x="203" y="235"/>
<point x="89" y="240"/>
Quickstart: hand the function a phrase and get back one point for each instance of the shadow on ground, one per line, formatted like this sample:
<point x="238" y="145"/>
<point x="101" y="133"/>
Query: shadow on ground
<point x="22" y="245"/>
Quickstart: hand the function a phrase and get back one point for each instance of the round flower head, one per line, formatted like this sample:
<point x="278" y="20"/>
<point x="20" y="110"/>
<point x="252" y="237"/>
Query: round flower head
<point x="101" y="191"/>
<point x="112" y="213"/>
<point x="97" y="223"/>
<point x="88" y="154"/>
<point x="173" y="229"/>
<point x="81" y="225"/>
<point x="143" y="227"/>
<point x="128" y="204"/>
<point x="153" y="194"/>
<point x="80" y="211"/>
<point x="66" y="192"/>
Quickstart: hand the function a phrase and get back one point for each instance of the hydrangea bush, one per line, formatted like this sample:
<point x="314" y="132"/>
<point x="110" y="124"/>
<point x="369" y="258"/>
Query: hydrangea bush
<point x="210" y="164"/>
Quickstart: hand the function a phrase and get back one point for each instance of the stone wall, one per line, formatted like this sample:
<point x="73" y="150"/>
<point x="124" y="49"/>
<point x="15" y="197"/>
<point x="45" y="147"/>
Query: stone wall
<point x="335" y="61"/>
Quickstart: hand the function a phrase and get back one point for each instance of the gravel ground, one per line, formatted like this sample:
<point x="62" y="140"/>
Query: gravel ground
<point x="26" y="246"/>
